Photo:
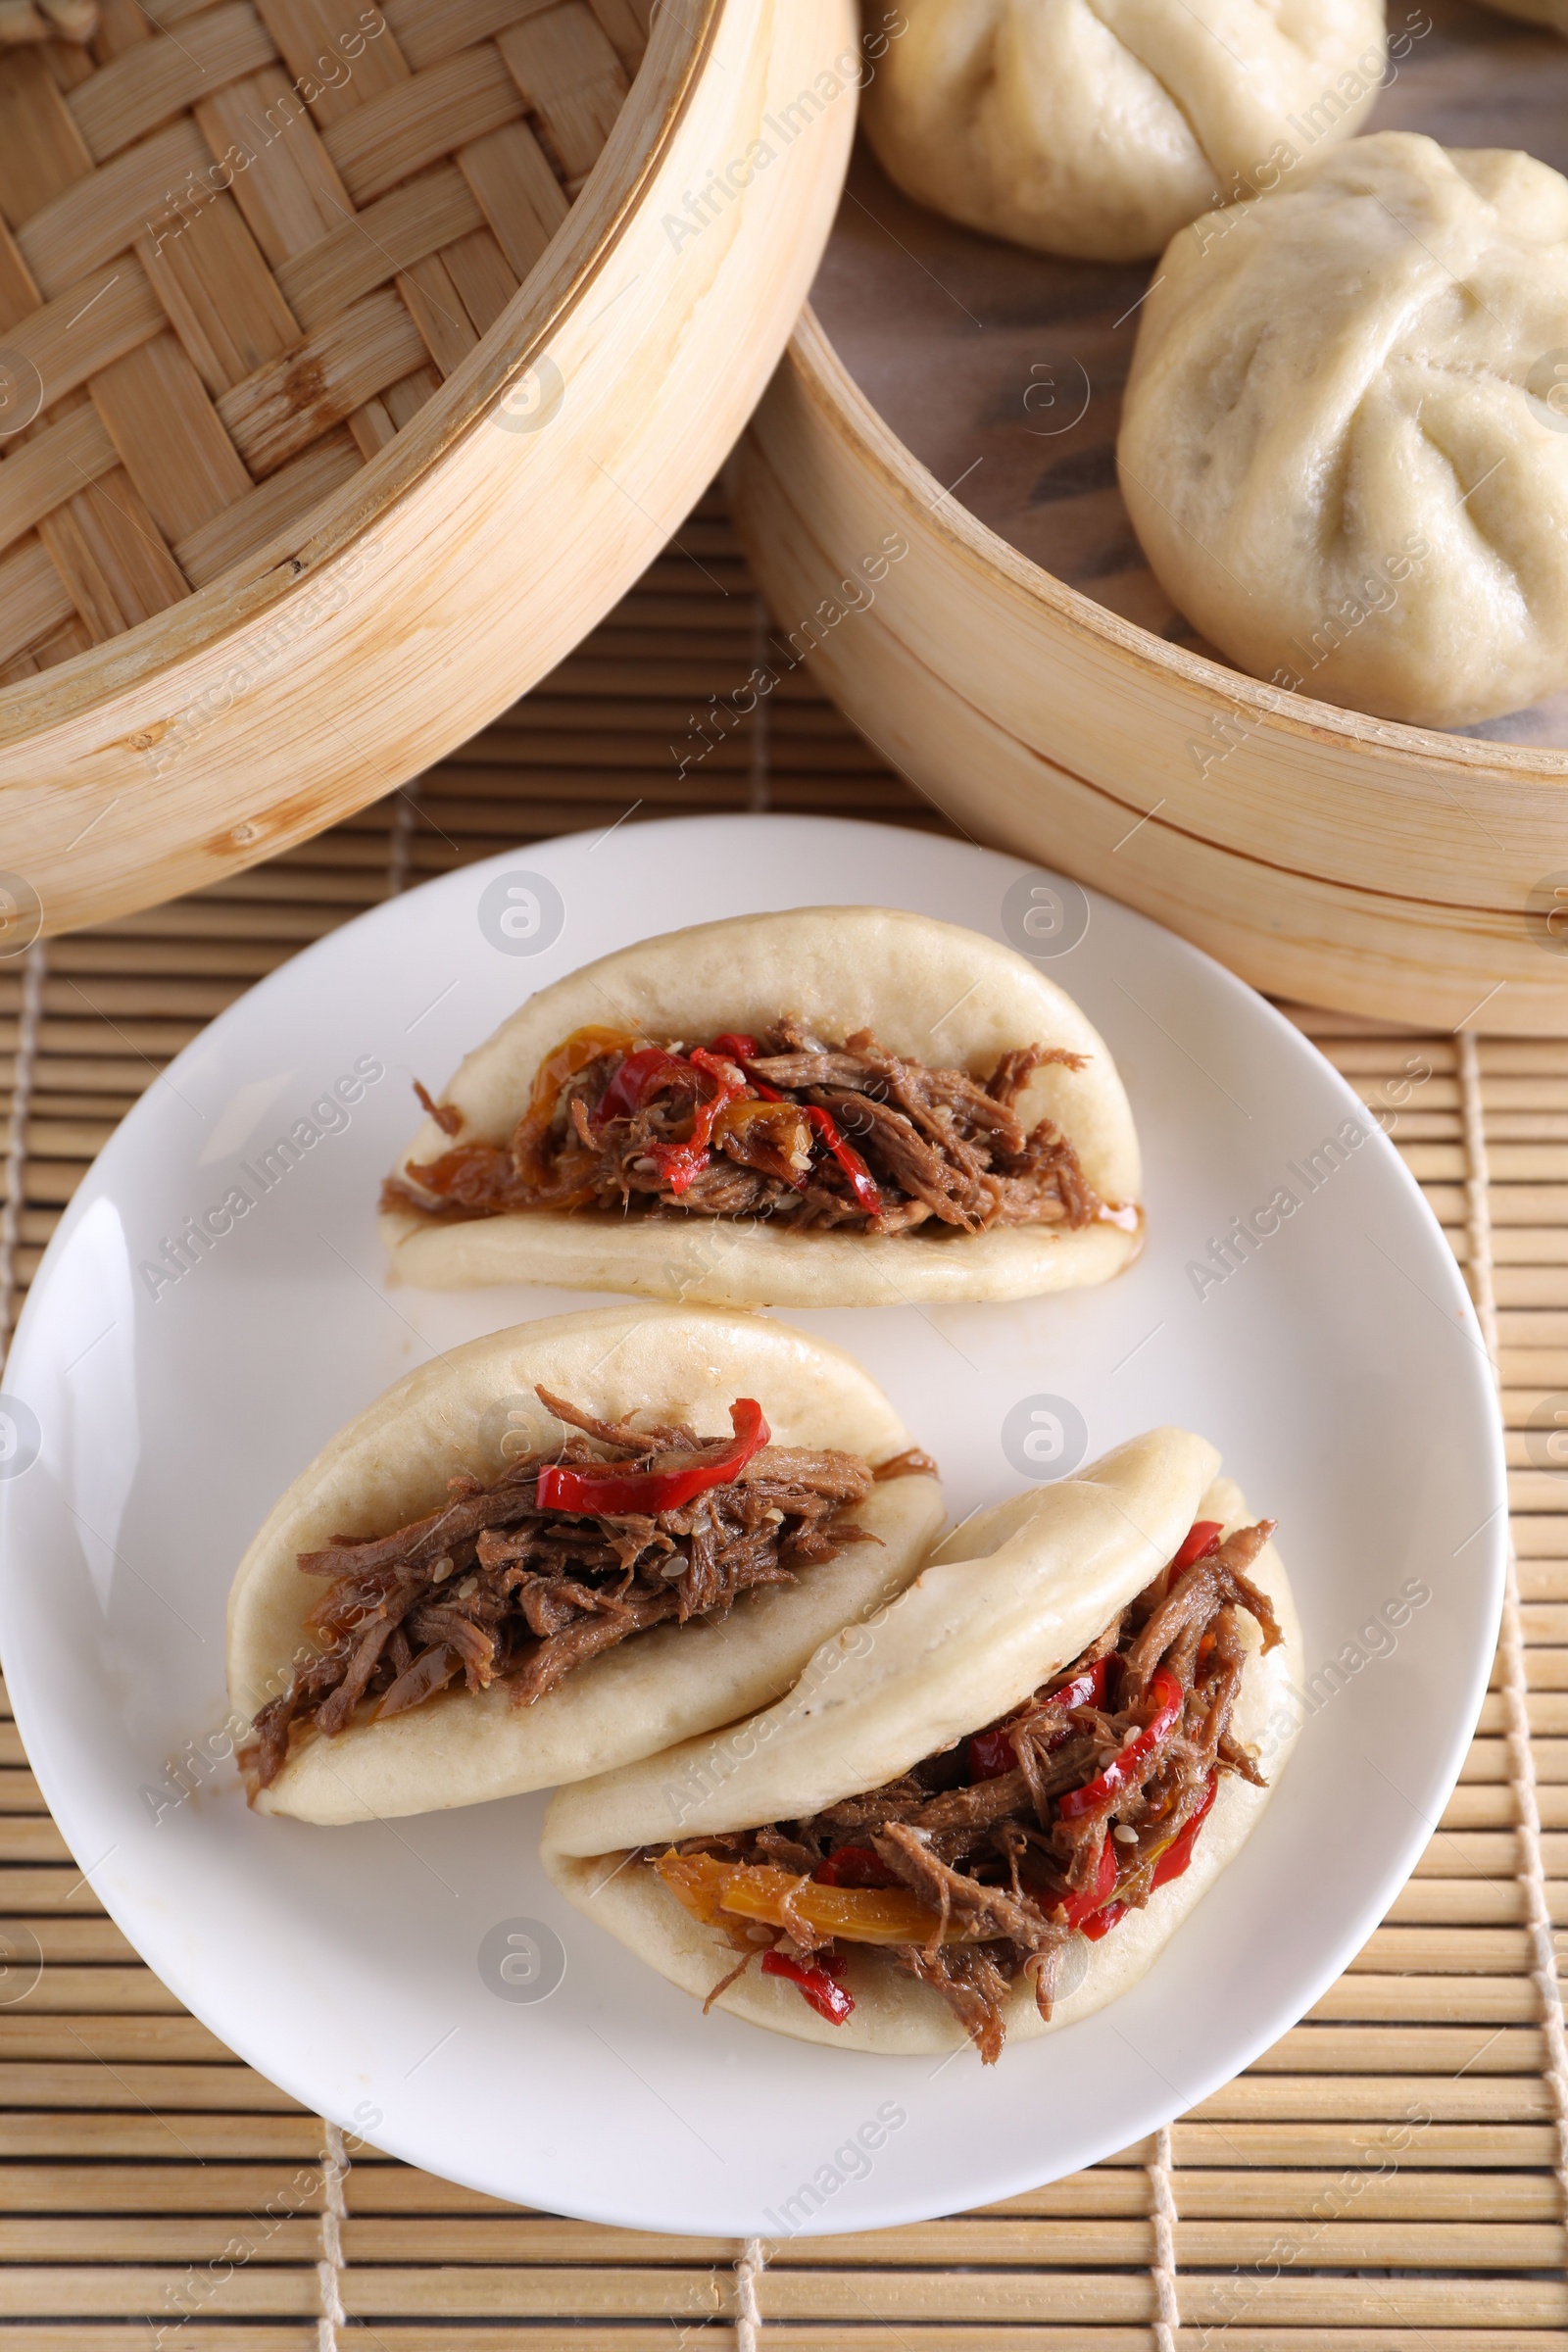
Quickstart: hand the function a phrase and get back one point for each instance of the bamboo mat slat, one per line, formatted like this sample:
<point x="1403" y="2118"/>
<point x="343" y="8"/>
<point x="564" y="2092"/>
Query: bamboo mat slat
<point x="1384" y="2179"/>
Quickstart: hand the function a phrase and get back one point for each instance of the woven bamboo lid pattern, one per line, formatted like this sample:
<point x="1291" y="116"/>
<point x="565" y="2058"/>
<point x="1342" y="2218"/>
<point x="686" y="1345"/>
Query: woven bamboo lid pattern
<point x="240" y="250"/>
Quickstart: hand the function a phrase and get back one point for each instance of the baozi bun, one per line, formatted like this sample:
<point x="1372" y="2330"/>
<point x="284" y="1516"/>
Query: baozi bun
<point x="1099" y="130"/>
<point x="1345" y="436"/>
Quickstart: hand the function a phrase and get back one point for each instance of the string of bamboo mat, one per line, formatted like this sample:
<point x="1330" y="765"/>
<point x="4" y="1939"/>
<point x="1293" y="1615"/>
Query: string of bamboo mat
<point x="1384" y="2179"/>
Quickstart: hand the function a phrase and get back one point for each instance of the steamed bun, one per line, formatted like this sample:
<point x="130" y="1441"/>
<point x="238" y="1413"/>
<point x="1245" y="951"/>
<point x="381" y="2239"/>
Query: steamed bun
<point x="1345" y="437"/>
<point x="1099" y="130"/>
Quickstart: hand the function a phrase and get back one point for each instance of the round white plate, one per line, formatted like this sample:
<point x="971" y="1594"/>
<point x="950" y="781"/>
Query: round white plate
<point x="1339" y="1368"/>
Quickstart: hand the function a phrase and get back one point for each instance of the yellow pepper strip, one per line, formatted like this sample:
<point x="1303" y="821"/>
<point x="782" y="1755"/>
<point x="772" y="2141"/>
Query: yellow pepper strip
<point x="572" y="1054"/>
<point x="864" y="1914"/>
<point x="786" y="1127"/>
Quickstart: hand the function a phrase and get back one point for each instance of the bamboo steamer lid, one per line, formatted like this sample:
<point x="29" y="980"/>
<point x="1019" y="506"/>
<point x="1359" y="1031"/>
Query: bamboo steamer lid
<point x="353" y="362"/>
<point x="1021" y="666"/>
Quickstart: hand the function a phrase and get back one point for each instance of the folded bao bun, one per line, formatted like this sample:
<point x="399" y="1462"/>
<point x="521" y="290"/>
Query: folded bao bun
<point x="1096" y="129"/>
<point x="930" y="991"/>
<point x="391" y="1465"/>
<point x="1008" y="1600"/>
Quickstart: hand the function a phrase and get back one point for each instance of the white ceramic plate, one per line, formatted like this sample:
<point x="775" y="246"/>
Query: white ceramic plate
<point x="1339" y="1370"/>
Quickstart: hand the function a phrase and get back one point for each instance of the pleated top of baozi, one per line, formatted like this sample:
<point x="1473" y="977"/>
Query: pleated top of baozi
<point x="1098" y="130"/>
<point x="1345" y="437"/>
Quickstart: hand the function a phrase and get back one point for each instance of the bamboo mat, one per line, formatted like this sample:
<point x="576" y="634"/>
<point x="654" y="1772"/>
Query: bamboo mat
<point x="1383" y="2178"/>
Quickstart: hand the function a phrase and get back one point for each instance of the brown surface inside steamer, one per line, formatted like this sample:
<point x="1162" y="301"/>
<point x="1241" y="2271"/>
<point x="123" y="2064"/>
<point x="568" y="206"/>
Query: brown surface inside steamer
<point x="202" y="349"/>
<point x="1002" y="371"/>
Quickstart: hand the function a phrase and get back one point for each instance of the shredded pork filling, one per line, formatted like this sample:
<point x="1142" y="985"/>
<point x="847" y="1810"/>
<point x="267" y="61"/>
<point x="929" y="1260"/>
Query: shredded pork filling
<point x="496" y="1587"/>
<point x="1053" y="1821"/>
<point x="786" y="1127"/>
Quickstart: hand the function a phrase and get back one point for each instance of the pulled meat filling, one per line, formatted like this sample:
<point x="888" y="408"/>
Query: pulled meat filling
<point x="980" y="1865"/>
<point x="499" y="1586"/>
<point x="782" y="1125"/>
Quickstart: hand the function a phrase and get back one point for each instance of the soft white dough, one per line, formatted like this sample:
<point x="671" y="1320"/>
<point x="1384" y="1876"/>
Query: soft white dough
<point x="1337" y="446"/>
<point x="1099" y="127"/>
<point x="1000" y="1606"/>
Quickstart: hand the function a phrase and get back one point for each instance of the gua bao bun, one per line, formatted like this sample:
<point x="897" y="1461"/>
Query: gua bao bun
<point x="568" y="1151"/>
<point x="1143" y="1536"/>
<point x="1097" y="131"/>
<point x="429" y="1506"/>
<point x="1336" y="443"/>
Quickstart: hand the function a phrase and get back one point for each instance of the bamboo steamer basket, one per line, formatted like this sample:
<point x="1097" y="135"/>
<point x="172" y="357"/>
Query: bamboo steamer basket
<point x="1022" y="667"/>
<point x="351" y="365"/>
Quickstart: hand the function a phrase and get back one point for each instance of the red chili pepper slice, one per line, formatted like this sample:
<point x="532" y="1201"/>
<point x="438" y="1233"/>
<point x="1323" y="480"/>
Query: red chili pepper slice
<point x="681" y="1164"/>
<point x="1201" y="1538"/>
<point x="642" y="1073"/>
<point x="1079" y="1909"/>
<point x="1167" y="1692"/>
<point x="640" y="1077"/>
<point x="992" y="1753"/>
<point x="1171" y="1864"/>
<point x="853" y="1866"/>
<point x="1174" y="1860"/>
<point x="816" y="1981"/>
<point x="862" y="1184"/>
<point x="1086" y="1690"/>
<point x="600" y="1488"/>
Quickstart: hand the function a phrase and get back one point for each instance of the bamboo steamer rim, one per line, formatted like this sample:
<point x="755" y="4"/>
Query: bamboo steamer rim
<point x="678" y="50"/>
<point x="838" y="395"/>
